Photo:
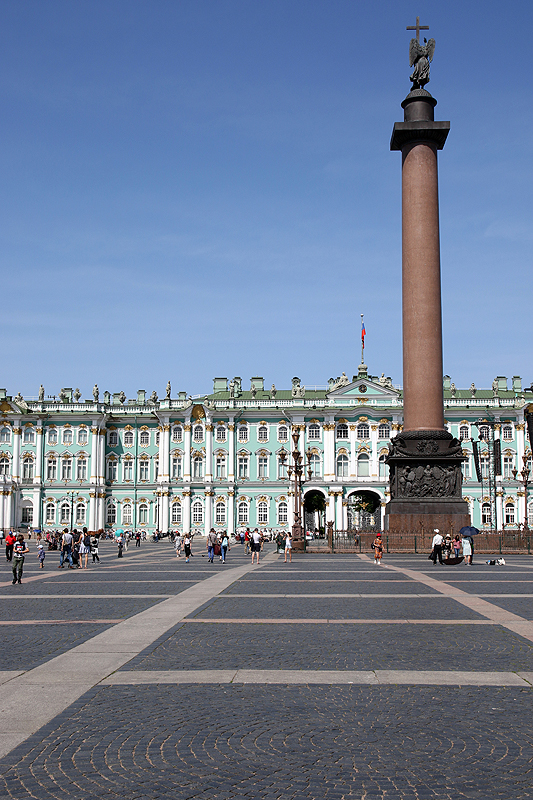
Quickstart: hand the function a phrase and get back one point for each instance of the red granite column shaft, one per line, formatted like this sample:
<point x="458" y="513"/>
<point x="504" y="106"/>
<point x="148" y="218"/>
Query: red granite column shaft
<point x="421" y="290"/>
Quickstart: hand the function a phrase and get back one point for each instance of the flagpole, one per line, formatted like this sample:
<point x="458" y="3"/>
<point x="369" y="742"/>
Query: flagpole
<point x="362" y="340"/>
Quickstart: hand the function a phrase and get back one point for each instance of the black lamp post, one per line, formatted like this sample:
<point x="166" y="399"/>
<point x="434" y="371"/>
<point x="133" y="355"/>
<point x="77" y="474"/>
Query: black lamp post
<point x="524" y="473"/>
<point x="296" y="473"/>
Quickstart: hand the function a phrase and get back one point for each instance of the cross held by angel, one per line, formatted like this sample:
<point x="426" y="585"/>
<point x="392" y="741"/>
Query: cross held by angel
<point x="420" y="56"/>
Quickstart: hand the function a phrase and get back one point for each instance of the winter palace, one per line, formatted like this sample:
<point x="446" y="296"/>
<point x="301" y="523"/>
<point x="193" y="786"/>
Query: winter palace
<point x="222" y="460"/>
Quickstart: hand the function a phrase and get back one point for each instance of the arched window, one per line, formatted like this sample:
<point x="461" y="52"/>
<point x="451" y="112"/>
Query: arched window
<point x="27" y="515"/>
<point x="484" y="433"/>
<point x="176" y="467"/>
<point x="363" y="466"/>
<point x="67" y="437"/>
<point x="126" y="514"/>
<point x="363" y="431"/>
<point x="242" y="513"/>
<point x="283" y="513"/>
<point x="383" y="467"/>
<point x="51" y="473"/>
<point x="220" y="513"/>
<point x="144" y="438"/>
<point x="507" y="432"/>
<point x="128" y="438"/>
<point x="509" y="514"/>
<point x="197" y="512"/>
<point x="198" y="433"/>
<point x="27" y="469"/>
<point x="198" y="467"/>
<point x="176" y="513"/>
<point x="29" y="435"/>
<point x="111" y="514"/>
<point x="113" y="438"/>
<point x="52" y="436"/>
<point x="221" y="434"/>
<point x="384" y="431"/>
<point x="342" y="431"/>
<point x="342" y="466"/>
<point x="463" y="432"/>
<point x="262" y="433"/>
<point x="262" y="513"/>
<point x="314" y="465"/>
<point x="177" y="433"/>
<point x="283" y="433"/>
<point x="82" y="436"/>
<point x="80" y="514"/>
<point x="243" y="433"/>
<point x="485" y="514"/>
<point x="4" y="466"/>
<point x="5" y="435"/>
<point x="64" y="514"/>
<point x="313" y="431"/>
<point x="50" y="513"/>
<point x="143" y="514"/>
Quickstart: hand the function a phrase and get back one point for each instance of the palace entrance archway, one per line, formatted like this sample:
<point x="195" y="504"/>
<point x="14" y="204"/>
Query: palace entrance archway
<point x="364" y="511"/>
<point x="314" y="511"/>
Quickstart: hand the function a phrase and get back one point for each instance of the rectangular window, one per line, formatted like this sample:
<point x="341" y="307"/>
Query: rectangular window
<point x="243" y="467"/>
<point x="126" y="514"/>
<point x="484" y="466"/>
<point x="509" y="515"/>
<point x="50" y="512"/>
<point x="82" y="469"/>
<point x="51" y="473"/>
<point x="156" y="469"/>
<point x="243" y="434"/>
<point x="508" y="467"/>
<point x="263" y="467"/>
<point x="282" y="469"/>
<point x="82" y="436"/>
<point x="112" y="471"/>
<point x="80" y="514"/>
<point x="221" y="434"/>
<point x="27" y="515"/>
<point x="465" y="466"/>
<point x="221" y="467"/>
<point x="27" y="470"/>
<point x="143" y="470"/>
<point x="66" y="469"/>
<point x="128" y="470"/>
<point x="176" y="467"/>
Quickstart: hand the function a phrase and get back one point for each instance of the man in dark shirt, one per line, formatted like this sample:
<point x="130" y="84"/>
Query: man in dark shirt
<point x="19" y="551"/>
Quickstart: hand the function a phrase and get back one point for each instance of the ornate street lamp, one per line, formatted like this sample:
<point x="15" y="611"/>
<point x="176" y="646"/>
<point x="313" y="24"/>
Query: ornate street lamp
<point x="524" y="473"/>
<point x="296" y="474"/>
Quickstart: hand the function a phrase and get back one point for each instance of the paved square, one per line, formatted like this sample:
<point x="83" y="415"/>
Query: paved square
<point x="325" y="678"/>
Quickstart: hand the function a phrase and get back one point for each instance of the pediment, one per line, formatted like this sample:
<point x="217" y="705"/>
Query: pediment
<point x="363" y="387"/>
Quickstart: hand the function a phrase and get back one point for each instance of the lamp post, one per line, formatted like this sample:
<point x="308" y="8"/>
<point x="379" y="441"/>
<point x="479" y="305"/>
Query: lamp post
<point x="296" y="473"/>
<point x="71" y="495"/>
<point x="524" y="473"/>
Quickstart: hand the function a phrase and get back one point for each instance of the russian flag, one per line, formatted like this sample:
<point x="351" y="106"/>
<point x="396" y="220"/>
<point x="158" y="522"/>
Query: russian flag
<point x="363" y="332"/>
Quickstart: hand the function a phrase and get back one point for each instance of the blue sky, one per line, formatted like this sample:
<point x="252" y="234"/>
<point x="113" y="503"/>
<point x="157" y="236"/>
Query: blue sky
<point x="200" y="188"/>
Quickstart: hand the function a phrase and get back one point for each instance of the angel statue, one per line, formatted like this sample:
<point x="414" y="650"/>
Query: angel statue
<point x="420" y="55"/>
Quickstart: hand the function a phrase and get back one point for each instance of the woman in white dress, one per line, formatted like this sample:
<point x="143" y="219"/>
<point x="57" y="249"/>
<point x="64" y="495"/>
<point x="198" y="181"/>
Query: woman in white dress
<point x="467" y="550"/>
<point x="288" y="547"/>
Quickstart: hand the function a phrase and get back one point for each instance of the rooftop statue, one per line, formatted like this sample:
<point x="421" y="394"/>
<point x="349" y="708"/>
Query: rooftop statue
<point x="420" y="56"/>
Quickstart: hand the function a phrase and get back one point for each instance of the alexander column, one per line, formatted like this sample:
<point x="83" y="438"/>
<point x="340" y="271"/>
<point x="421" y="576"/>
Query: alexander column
<point x="424" y="459"/>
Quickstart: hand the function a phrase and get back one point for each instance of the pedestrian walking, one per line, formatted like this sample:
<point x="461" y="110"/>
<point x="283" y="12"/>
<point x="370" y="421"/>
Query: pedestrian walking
<point x="120" y="545"/>
<point x="137" y="538"/>
<point x="224" y="546"/>
<point x="94" y="548"/>
<point x="210" y="545"/>
<point x="377" y="547"/>
<point x="457" y="545"/>
<point x="19" y="551"/>
<point x="84" y="549"/>
<point x="10" y="541"/>
<point x="255" y="543"/>
<point x="288" y="547"/>
<point x="467" y="549"/>
<point x="178" y="544"/>
<point x="187" y="547"/>
<point x="66" y="549"/>
<point x="41" y="554"/>
<point x="437" y="547"/>
<point x="247" y="536"/>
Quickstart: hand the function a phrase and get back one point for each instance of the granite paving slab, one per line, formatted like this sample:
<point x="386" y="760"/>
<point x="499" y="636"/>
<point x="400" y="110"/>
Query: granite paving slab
<point x="28" y="608"/>
<point x="25" y="647"/>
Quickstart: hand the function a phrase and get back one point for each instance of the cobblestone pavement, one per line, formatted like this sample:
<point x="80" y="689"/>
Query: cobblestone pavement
<point x="299" y="742"/>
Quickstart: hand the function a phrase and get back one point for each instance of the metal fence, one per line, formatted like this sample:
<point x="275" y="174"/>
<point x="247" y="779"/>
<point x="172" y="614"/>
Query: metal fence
<point x="359" y="541"/>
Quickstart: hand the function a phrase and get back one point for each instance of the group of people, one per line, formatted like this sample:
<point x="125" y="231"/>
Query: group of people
<point x="444" y="546"/>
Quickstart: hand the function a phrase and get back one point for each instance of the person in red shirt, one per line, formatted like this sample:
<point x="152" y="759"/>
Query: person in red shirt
<point x="10" y="541"/>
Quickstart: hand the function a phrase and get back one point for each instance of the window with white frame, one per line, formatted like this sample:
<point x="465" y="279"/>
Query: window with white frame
<point x="485" y="514"/>
<point x="283" y="513"/>
<point x="283" y="433"/>
<point x="262" y="513"/>
<point x="83" y="436"/>
<point x="384" y="431"/>
<point x="113" y="438"/>
<point x="4" y="466"/>
<point x="52" y="436"/>
<point x="221" y="467"/>
<point x="156" y="469"/>
<point x="507" y="433"/>
<point x="144" y="438"/>
<point x="50" y="513"/>
<point x="198" y="467"/>
<point x="157" y="437"/>
<point x="530" y="515"/>
<point x="243" y="433"/>
<point x="80" y="514"/>
<point x="465" y="468"/>
<point x="282" y="468"/>
<point x="509" y="514"/>
<point x="66" y="469"/>
<point x="198" y="433"/>
<point x="112" y="470"/>
<point x="221" y="433"/>
<point x="314" y="465"/>
<point x="262" y="433"/>
<point x="27" y="515"/>
<point x="342" y="466"/>
<point x="111" y="514"/>
<point x="508" y="463"/>
<point x="262" y="467"/>
<point x="220" y="513"/>
<point x="242" y="465"/>
<point x="363" y="466"/>
<point x="363" y="431"/>
<point x="27" y="469"/>
<point x="5" y="435"/>
<point x="29" y="435"/>
<point x="51" y="470"/>
<point x="176" y="513"/>
<point x="81" y="469"/>
<point x="128" y="439"/>
<point x="242" y="513"/>
<point x="484" y="433"/>
<point x="383" y="467"/>
<point x="143" y="514"/>
<point x="313" y="431"/>
<point x="484" y="462"/>
<point x="126" y="514"/>
<point x="464" y="432"/>
<point x="197" y="512"/>
<point x="176" y="467"/>
<point x="342" y="430"/>
<point x="67" y="437"/>
<point x="144" y="469"/>
<point x="127" y="469"/>
<point x="177" y="433"/>
<point x="64" y="513"/>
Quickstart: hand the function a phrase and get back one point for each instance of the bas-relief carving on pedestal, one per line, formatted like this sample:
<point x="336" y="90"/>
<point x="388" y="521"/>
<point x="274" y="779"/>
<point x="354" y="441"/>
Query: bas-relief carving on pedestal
<point x="425" y="465"/>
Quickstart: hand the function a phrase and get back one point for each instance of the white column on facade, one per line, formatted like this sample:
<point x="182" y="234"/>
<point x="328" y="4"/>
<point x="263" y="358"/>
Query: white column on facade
<point x="353" y="451"/>
<point x="231" y="513"/>
<point x="499" y="508"/>
<point x="92" y="511"/>
<point x="36" y="507"/>
<point x="165" y="511"/>
<point x="208" y="450"/>
<point x="187" y="451"/>
<point x="15" y="469"/>
<point x="186" y="512"/>
<point x="100" y="510"/>
<point x="164" y="452"/>
<point x="382" y="514"/>
<point x="208" y="511"/>
<point x="340" y="515"/>
<point x="330" y="508"/>
<point x="329" y="451"/>
<point x="3" y="497"/>
<point x="520" y="444"/>
<point x="374" y="456"/>
<point x="231" y="450"/>
<point x="290" y="505"/>
<point x="101" y="457"/>
<point x="38" y="475"/>
<point x="94" y="452"/>
<point x="9" y="515"/>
